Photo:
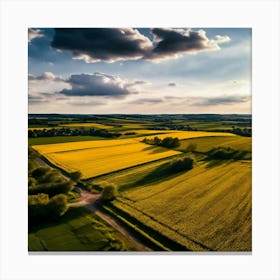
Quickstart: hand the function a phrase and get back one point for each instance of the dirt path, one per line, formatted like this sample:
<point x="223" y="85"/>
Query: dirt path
<point x="88" y="200"/>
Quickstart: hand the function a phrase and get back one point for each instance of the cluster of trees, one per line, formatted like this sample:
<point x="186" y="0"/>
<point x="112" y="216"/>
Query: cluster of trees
<point x="109" y="192"/>
<point x="167" y="142"/>
<point x="173" y="127"/>
<point x="183" y="164"/>
<point x="224" y="153"/>
<point x="47" y="194"/>
<point x="42" y="207"/>
<point x="242" y="132"/>
<point x="33" y="133"/>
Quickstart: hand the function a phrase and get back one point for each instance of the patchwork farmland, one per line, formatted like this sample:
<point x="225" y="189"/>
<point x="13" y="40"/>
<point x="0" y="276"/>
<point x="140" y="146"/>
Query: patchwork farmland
<point x="204" y="207"/>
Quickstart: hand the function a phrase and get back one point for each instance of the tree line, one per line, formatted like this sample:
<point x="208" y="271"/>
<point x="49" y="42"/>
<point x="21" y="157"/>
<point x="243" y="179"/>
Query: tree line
<point x="167" y="142"/>
<point x="33" y="133"/>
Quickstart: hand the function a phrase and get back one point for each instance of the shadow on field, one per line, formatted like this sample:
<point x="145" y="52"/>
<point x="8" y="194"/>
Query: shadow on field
<point x="215" y="162"/>
<point x="153" y="150"/>
<point x="72" y="213"/>
<point x="162" y="173"/>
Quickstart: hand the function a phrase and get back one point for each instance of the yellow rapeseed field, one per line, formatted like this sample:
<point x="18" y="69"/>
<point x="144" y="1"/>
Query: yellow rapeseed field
<point x="99" y="157"/>
<point x="191" y="134"/>
<point x="101" y="160"/>
<point x="209" y="204"/>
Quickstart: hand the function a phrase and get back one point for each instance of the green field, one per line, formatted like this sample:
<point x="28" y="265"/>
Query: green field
<point x="209" y="204"/>
<point x="61" y="139"/>
<point x="76" y="231"/>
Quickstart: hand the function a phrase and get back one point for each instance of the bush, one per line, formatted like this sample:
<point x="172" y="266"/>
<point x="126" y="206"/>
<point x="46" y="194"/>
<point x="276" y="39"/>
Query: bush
<point x="222" y="153"/>
<point x="75" y="176"/>
<point x="191" y="147"/>
<point x="40" y="207"/>
<point x="181" y="165"/>
<point x="50" y="177"/>
<point x="37" y="206"/>
<point x="52" y="188"/>
<point x="57" y="205"/>
<point x="170" y="142"/>
<point x="31" y="182"/>
<point x="109" y="192"/>
<point x="39" y="172"/>
<point x="167" y="142"/>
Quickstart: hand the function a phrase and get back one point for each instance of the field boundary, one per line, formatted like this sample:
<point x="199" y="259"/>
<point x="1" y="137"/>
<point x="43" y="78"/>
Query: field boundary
<point x="144" y="232"/>
<point x="197" y="243"/>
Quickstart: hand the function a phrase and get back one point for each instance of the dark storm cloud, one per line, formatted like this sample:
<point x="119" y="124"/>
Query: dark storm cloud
<point x="172" y="85"/>
<point x="173" y="42"/>
<point x="97" y="84"/>
<point x="102" y="44"/>
<point x="113" y="44"/>
<point x="224" y="100"/>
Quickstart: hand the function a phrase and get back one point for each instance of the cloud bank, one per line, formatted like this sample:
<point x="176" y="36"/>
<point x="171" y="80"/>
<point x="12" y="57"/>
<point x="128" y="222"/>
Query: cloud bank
<point x="99" y="84"/>
<point x="102" y="44"/>
<point x="115" y="44"/>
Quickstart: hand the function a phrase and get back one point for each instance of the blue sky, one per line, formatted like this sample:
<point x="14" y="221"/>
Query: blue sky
<point x="136" y="70"/>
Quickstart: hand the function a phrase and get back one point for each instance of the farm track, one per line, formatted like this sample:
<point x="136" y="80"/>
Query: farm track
<point x="89" y="201"/>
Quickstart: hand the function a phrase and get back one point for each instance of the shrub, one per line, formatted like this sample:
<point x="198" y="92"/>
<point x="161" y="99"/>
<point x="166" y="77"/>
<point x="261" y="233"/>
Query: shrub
<point x="57" y="205"/>
<point x="222" y="153"/>
<point x="40" y="171"/>
<point x="191" y="147"/>
<point x="167" y="142"/>
<point x="181" y="165"/>
<point x="40" y="207"/>
<point x="49" y="177"/>
<point x="75" y="176"/>
<point x="109" y="192"/>
<point x="37" y="206"/>
<point x="31" y="182"/>
<point x="52" y="188"/>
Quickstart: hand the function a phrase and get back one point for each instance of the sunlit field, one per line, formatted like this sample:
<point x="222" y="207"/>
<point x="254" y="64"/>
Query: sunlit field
<point x="207" y="208"/>
<point x="97" y="161"/>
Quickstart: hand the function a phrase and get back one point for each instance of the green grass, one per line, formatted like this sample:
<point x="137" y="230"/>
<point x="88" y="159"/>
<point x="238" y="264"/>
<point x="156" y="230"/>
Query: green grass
<point x="78" y="230"/>
<point x="204" y="144"/>
<point x="208" y="205"/>
<point x="61" y="139"/>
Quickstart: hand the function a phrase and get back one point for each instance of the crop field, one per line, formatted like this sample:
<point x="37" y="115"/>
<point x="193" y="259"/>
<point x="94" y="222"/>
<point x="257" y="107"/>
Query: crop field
<point x="94" y="161"/>
<point x="132" y="177"/>
<point x="204" y="208"/>
<point x="87" y="125"/>
<point x="204" y="144"/>
<point x="94" y="158"/>
<point x="61" y="139"/>
<point x="77" y="231"/>
<point x="208" y="206"/>
<point x="192" y="134"/>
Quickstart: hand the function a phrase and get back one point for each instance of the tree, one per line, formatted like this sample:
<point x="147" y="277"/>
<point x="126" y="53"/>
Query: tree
<point x="191" y="147"/>
<point x="75" y="176"/>
<point x="181" y="165"/>
<point x="40" y="171"/>
<point x="109" y="192"/>
<point x="58" y="205"/>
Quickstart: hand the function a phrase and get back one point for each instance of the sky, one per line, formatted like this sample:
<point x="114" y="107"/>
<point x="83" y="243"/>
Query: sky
<point x="139" y="70"/>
